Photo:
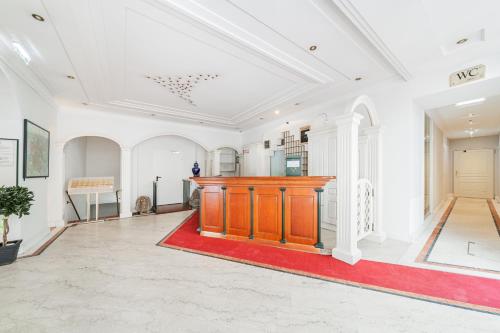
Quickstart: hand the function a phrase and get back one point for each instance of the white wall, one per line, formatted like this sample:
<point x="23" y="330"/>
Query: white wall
<point x="75" y="153"/>
<point x="170" y="157"/>
<point x="18" y="100"/>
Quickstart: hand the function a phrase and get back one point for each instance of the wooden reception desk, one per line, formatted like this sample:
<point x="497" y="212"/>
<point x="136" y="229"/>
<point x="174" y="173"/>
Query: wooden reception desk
<point x="282" y="211"/>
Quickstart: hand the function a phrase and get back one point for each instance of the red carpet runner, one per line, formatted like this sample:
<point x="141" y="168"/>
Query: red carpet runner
<point x="464" y="291"/>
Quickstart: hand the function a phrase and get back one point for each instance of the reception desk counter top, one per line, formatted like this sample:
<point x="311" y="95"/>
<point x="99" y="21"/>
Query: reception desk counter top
<point x="280" y="211"/>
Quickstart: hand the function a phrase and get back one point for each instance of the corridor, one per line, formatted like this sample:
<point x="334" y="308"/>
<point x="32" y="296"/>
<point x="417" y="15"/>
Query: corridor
<point x="469" y="237"/>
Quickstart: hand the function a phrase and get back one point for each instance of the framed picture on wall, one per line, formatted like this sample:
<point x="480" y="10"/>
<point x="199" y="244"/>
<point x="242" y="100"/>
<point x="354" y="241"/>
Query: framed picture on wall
<point x="36" y="151"/>
<point x="9" y="161"/>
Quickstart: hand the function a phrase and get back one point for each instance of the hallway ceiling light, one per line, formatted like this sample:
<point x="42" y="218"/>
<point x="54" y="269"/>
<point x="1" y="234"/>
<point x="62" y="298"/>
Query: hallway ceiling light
<point x="175" y="152"/>
<point x="358" y="78"/>
<point x="313" y="48"/>
<point x="472" y="101"/>
<point x="71" y="77"/>
<point x="21" y="52"/>
<point x="38" y="17"/>
<point x="276" y="111"/>
<point x="462" y="41"/>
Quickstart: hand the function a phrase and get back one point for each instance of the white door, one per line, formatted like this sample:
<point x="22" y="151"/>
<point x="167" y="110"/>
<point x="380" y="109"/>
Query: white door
<point x="168" y="166"/>
<point x="473" y="173"/>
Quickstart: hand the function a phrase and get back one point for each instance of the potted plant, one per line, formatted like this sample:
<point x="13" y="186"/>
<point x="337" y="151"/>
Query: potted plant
<point x="14" y="200"/>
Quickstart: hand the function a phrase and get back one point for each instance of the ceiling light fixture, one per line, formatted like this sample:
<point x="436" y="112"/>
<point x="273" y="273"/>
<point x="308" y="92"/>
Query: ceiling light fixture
<point x="261" y="118"/>
<point x="175" y="152"/>
<point x="71" y="77"/>
<point x="462" y="41"/>
<point x="359" y="78"/>
<point x="276" y="111"/>
<point x="38" y="17"/>
<point x="313" y="48"/>
<point x="21" y="52"/>
<point x="472" y="101"/>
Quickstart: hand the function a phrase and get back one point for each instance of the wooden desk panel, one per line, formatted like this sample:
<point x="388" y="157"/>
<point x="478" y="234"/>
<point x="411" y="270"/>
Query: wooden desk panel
<point x="238" y="211"/>
<point x="267" y="213"/>
<point x="211" y="209"/>
<point x="301" y="218"/>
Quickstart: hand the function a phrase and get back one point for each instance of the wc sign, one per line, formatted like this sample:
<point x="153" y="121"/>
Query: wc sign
<point x="467" y="75"/>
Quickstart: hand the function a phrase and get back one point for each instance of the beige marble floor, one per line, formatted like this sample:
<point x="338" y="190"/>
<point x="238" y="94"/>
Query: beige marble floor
<point x="110" y="277"/>
<point x="469" y="221"/>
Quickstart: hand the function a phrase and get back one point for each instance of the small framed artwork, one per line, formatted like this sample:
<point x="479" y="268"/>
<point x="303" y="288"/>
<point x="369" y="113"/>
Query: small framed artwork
<point x="9" y="161"/>
<point x="303" y="134"/>
<point x="36" y="151"/>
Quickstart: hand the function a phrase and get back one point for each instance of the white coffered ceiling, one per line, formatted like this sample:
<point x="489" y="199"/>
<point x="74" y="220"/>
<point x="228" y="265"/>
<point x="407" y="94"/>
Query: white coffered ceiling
<point x="221" y="62"/>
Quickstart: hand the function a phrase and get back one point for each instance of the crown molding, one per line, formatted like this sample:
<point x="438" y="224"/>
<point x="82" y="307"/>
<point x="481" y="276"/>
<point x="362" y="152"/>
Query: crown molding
<point x="28" y="76"/>
<point x="222" y="28"/>
<point x="351" y="12"/>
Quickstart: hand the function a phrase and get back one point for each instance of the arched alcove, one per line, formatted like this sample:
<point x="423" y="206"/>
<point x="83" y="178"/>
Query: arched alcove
<point x="170" y="157"/>
<point x="92" y="156"/>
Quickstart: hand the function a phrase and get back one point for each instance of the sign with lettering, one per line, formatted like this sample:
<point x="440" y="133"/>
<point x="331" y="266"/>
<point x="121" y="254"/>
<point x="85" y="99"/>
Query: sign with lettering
<point x="467" y="75"/>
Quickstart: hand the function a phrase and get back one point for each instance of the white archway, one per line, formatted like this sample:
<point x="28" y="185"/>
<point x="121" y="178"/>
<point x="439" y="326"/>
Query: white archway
<point x="170" y="133"/>
<point x="90" y="156"/>
<point x="170" y="157"/>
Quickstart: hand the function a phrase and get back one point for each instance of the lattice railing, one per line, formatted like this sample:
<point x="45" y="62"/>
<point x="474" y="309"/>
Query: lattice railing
<point x="365" y="208"/>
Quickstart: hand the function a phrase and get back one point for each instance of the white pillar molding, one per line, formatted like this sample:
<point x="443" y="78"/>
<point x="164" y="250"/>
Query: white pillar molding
<point x="126" y="182"/>
<point x="347" y="178"/>
<point x="56" y="218"/>
<point x="375" y="176"/>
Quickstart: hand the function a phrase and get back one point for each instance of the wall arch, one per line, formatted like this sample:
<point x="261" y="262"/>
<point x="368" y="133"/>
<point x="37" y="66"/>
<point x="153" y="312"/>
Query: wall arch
<point x="149" y="137"/>
<point x="366" y="102"/>
<point x="64" y="141"/>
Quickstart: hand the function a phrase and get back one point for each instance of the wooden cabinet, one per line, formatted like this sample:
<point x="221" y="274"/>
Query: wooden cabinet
<point x="282" y="211"/>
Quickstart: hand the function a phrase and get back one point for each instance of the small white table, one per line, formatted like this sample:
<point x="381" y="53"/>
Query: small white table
<point x="91" y="185"/>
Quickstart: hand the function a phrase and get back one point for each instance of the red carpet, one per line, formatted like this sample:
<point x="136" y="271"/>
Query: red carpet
<point x="464" y="291"/>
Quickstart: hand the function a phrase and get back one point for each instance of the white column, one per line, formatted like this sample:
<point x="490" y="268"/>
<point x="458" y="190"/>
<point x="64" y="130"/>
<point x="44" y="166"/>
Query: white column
<point x="347" y="179"/>
<point x="126" y="180"/>
<point x="57" y="187"/>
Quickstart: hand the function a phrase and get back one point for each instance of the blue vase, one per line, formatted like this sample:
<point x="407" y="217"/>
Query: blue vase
<point x="196" y="170"/>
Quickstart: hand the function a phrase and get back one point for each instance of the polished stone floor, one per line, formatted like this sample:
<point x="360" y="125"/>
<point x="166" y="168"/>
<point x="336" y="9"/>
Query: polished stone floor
<point x="469" y="237"/>
<point x="110" y="277"/>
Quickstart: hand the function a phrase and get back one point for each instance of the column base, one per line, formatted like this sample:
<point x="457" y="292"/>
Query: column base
<point x="348" y="257"/>
<point x="125" y="215"/>
<point x="378" y="237"/>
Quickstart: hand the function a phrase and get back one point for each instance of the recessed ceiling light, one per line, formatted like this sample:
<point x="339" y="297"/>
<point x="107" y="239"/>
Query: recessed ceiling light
<point x="359" y="78"/>
<point x="261" y="118"/>
<point x="38" y="17"/>
<point x="472" y="101"/>
<point x="297" y="104"/>
<point x="71" y="77"/>
<point x="175" y="152"/>
<point x="462" y="41"/>
<point x="153" y="115"/>
<point x="21" y="52"/>
<point x="276" y="111"/>
<point x="85" y="103"/>
<point x="201" y="122"/>
<point x="312" y="48"/>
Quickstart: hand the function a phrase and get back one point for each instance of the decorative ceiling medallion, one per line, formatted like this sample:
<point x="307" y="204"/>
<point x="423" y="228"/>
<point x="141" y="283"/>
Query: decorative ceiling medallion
<point x="182" y="85"/>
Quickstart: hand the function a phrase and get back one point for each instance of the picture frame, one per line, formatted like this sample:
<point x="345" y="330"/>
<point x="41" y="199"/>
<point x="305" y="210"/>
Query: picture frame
<point x="36" y="151"/>
<point x="9" y="162"/>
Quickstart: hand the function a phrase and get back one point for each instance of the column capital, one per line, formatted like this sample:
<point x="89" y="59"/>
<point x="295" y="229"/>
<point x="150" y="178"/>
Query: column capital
<point x="348" y="119"/>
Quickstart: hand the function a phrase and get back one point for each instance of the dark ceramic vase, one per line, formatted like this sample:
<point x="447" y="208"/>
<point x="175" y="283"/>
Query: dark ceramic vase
<point x="196" y="170"/>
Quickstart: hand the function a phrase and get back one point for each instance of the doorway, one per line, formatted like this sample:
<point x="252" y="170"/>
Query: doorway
<point x="473" y="173"/>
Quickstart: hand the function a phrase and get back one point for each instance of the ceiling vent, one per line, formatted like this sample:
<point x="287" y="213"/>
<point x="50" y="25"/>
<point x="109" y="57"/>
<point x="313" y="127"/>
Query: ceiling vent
<point x="182" y="85"/>
<point x="462" y="41"/>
